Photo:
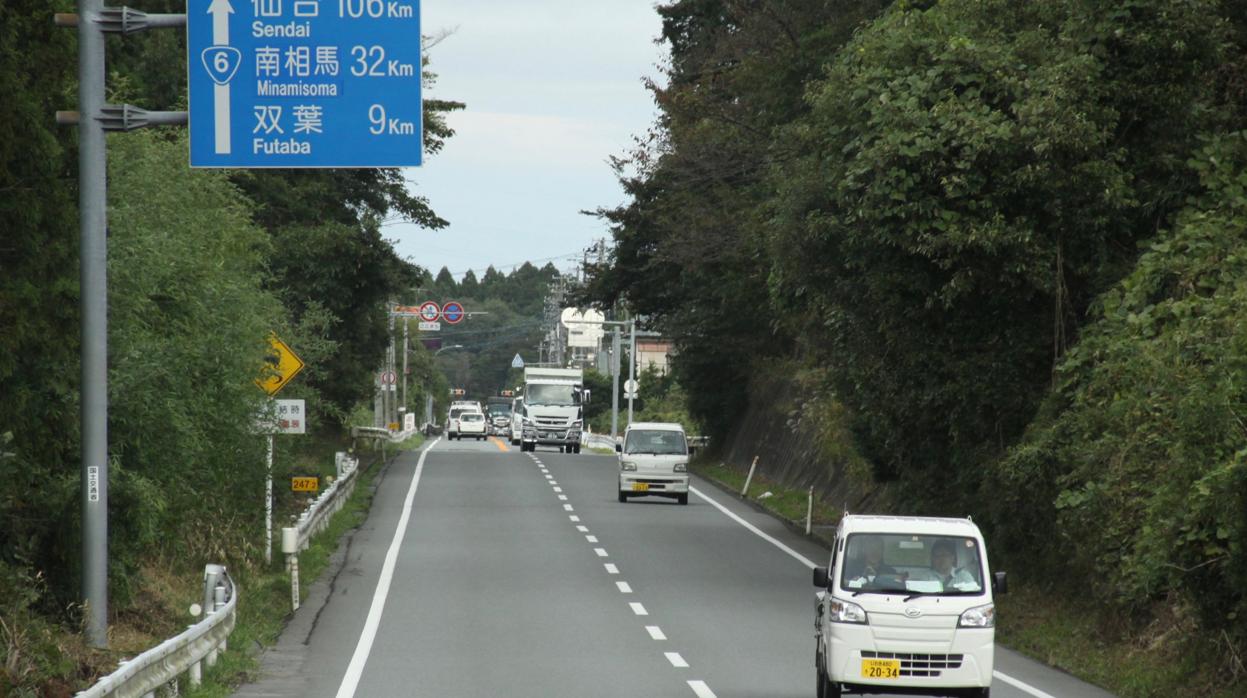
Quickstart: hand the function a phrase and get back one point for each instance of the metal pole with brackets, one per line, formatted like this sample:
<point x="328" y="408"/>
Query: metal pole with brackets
<point x="94" y="119"/>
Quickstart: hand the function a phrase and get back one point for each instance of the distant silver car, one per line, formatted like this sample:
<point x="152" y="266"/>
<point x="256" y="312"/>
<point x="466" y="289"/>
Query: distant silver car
<point x="472" y="424"/>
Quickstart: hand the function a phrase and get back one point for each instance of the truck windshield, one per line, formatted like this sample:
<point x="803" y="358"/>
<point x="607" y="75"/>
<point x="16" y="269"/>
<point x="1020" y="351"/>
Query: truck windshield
<point x="911" y="563"/>
<point x="557" y="395"/>
<point x="661" y="442"/>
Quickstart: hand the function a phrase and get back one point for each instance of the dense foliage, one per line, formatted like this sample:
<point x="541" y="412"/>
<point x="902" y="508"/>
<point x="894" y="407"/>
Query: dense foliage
<point x="943" y="205"/>
<point x="202" y="266"/>
<point x="506" y="318"/>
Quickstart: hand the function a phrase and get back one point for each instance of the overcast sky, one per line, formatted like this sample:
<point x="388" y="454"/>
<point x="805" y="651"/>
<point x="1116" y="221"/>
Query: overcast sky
<point x="553" y="88"/>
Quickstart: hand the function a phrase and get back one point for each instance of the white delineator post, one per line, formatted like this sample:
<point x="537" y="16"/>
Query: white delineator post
<point x="809" y="513"/>
<point x="290" y="546"/>
<point x="749" y="478"/>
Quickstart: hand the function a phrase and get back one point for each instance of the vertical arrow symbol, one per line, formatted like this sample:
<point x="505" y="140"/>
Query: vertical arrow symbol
<point x="220" y="11"/>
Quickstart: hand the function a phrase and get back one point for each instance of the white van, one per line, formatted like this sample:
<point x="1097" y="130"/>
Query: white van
<point x="905" y="606"/>
<point x="653" y="460"/>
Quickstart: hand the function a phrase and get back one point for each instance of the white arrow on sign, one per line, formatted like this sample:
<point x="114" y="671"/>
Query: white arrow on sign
<point x="220" y="11"/>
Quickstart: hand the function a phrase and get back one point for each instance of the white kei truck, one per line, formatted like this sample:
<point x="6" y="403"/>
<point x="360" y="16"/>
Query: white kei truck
<point x="905" y="606"/>
<point x="553" y="408"/>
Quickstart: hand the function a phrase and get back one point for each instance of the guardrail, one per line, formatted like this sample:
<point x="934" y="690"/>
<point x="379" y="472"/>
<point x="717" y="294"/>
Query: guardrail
<point x="599" y="441"/>
<point x="165" y="663"/>
<point x="695" y="443"/>
<point x="315" y="518"/>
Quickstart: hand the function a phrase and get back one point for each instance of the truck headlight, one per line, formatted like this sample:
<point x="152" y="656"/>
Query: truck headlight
<point x="627" y="467"/>
<point x="978" y="617"/>
<point x="680" y="468"/>
<point x="845" y="612"/>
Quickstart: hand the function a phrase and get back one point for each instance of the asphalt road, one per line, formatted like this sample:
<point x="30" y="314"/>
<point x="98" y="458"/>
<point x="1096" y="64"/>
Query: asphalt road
<point x="483" y="571"/>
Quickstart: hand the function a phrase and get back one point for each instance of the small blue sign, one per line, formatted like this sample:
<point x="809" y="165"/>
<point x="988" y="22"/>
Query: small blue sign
<point x="452" y="312"/>
<point x="305" y="83"/>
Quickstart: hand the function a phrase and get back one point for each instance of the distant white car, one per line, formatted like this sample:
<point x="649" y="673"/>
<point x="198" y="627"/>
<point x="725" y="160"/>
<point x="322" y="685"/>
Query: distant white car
<point x="653" y="460"/>
<point x="472" y="424"/>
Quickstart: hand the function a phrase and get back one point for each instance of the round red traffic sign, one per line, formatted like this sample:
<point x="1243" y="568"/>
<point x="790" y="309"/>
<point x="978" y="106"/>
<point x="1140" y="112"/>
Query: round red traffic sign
<point x="429" y="311"/>
<point x="453" y="312"/>
<point x="388" y="378"/>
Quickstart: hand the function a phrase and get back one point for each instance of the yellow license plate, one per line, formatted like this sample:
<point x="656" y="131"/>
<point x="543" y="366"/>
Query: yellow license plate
<point x="640" y="487"/>
<point x="881" y="668"/>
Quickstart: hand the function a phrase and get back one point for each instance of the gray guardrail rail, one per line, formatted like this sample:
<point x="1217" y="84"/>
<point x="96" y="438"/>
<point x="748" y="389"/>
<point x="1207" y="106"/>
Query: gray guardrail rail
<point x="163" y="665"/>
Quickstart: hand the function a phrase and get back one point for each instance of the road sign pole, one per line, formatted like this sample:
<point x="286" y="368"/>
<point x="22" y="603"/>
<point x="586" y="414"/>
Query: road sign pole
<point x="268" y="503"/>
<point x="93" y="250"/>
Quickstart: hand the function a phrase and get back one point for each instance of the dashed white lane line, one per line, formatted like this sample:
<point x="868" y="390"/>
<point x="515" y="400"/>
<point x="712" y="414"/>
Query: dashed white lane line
<point x="638" y="609"/>
<point x="624" y="587"/>
<point x="574" y="519"/>
<point x="591" y="539"/>
<point x="554" y="482"/>
<point x="701" y="689"/>
<point x="655" y="632"/>
<point x="557" y="489"/>
<point x="676" y="660"/>
<point x="582" y="529"/>
<point x="562" y="498"/>
<point x="568" y="507"/>
<point x="611" y="569"/>
<point x="601" y="552"/>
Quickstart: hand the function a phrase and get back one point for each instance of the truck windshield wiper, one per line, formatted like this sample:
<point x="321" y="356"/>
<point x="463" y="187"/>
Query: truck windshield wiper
<point x="879" y="591"/>
<point x="951" y="592"/>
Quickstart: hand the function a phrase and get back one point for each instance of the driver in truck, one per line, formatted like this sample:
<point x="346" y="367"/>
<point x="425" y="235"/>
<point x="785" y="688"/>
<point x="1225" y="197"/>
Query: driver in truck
<point x="870" y="564"/>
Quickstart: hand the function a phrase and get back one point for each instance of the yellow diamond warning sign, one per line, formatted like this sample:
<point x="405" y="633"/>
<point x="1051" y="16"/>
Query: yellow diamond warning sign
<point x="281" y="365"/>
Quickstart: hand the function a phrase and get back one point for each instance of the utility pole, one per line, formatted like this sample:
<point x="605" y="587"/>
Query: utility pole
<point x="406" y="328"/>
<point x="615" y="382"/>
<point x="94" y="118"/>
<point x="632" y="369"/>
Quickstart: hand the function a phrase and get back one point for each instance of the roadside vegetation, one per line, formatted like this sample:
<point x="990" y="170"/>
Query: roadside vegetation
<point x="997" y="246"/>
<point x="203" y="265"/>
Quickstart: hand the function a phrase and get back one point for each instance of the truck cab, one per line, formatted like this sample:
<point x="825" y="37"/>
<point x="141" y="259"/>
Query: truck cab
<point x="905" y="605"/>
<point x="553" y="409"/>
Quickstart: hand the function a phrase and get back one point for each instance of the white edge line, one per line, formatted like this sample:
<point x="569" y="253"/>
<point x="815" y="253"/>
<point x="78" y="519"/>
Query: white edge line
<point x="1022" y="685"/>
<point x="806" y="561"/>
<point x="355" y="670"/>
<point x="765" y="536"/>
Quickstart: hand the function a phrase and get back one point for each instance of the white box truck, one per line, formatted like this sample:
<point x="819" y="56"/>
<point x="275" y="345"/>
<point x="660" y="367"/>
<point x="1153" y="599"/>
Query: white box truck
<point x="553" y="408"/>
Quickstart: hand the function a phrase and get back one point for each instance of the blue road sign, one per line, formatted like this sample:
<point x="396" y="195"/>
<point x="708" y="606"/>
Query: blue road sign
<point x="304" y="83"/>
<point x="452" y="312"/>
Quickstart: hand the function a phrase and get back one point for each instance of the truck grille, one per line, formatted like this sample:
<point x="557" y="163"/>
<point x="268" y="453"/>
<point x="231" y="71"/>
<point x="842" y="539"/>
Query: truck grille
<point x="927" y="665"/>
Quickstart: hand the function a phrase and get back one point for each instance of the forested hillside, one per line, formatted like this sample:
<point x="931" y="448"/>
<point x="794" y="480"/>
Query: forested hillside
<point x="203" y="265"/>
<point x="506" y="316"/>
<point x="1008" y="237"/>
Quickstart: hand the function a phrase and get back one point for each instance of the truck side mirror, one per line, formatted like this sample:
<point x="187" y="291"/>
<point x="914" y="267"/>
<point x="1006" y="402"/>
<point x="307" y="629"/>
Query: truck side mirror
<point x="820" y="577"/>
<point x="1000" y="582"/>
<point x="618" y="448"/>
